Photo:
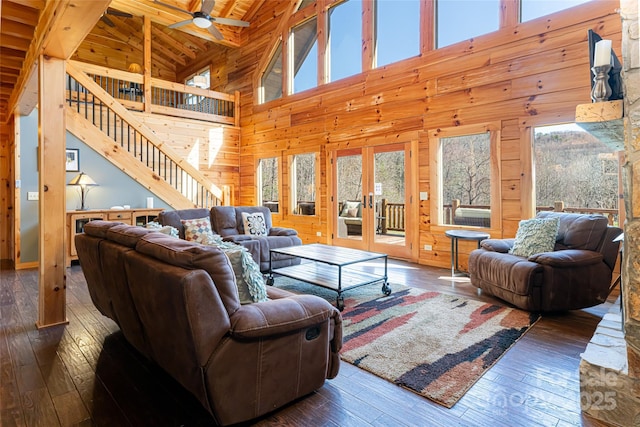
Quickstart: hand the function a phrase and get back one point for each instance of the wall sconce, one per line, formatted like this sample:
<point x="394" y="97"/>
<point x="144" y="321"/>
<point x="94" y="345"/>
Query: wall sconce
<point x="84" y="181"/>
<point x="601" y="66"/>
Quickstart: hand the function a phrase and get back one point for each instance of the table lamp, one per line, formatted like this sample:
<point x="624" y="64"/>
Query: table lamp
<point x="83" y="180"/>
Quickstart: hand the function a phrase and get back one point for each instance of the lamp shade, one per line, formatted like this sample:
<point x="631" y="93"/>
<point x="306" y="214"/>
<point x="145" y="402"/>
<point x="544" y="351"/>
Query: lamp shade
<point x="82" y="179"/>
<point x="200" y="81"/>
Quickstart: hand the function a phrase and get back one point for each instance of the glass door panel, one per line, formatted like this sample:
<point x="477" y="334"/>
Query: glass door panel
<point x="372" y="199"/>
<point x="349" y="195"/>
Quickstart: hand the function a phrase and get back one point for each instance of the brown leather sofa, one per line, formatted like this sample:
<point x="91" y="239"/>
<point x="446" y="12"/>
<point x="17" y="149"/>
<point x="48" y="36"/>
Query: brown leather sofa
<point x="577" y="274"/>
<point x="227" y="222"/>
<point x="176" y="302"/>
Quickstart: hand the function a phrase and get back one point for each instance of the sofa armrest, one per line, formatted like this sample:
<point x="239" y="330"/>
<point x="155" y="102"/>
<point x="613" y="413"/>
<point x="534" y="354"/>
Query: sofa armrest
<point x="497" y="245"/>
<point x="236" y="238"/>
<point x="280" y="316"/>
<point x="568" y="258"/>
<point x="281" y="231"/>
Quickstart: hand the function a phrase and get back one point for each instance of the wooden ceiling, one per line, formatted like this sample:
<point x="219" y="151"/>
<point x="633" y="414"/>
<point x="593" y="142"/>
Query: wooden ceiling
<point x="117" y="39"/>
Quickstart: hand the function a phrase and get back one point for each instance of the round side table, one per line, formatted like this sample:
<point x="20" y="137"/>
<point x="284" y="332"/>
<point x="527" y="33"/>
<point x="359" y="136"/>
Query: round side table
<point x="456" y="235"/>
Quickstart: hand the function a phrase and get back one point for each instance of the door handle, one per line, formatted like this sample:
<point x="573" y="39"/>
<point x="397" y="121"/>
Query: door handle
<point x="364" y="201"/>
<point x="370" y="200"/>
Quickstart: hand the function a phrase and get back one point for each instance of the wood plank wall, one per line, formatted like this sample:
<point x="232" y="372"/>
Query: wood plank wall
<point x="212" y="148"/>
<point x="524" y="75"/>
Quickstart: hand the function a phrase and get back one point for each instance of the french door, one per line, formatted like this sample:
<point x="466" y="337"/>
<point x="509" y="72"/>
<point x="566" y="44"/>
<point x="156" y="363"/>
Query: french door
<point x="372" y="199"/>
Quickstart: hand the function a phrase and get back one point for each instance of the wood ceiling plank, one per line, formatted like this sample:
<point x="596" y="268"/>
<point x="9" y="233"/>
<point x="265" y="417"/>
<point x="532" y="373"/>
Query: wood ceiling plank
<point x="157" y="32"/>
<point x="14" y="42"/>
<point x="19" y="13"/>
<point x="34" y="4"/>
<point x="16" y="29"/>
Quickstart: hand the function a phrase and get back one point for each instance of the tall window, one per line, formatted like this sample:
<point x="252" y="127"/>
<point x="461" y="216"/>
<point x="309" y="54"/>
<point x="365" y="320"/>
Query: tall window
<point x="574" y="169"/>
<point x="305" y="56"/>
<point x="532" y="9"/>
<point x="345" y="39"/>
<point x="268" y="185"/>
<point x="458" y="20"/>
<point x="466" y="164"/>
<point x="271" y="81"/>
<point x="397" y="30"/>
<point x="303" y="183"/>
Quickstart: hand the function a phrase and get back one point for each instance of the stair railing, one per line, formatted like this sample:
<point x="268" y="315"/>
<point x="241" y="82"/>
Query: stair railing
<point x="92" y="102"/>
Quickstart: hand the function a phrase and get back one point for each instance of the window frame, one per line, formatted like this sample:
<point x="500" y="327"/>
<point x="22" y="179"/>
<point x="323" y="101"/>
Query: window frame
<point x="435" y="170"/>
<point x="292" y="186"/>
<point x="259" y="181"/>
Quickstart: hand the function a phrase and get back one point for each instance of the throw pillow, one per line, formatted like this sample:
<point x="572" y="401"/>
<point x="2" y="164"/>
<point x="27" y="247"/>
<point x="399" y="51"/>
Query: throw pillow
<point x="197" y="230"/>
<point x="254" y="224"/>
<point x="249" y="280"/>
<point x="352" y="213"/>
<point x="535" y="236"/>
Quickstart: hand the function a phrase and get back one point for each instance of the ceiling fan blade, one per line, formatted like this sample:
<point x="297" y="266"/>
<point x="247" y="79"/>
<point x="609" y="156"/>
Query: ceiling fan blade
<point x="115" y="12"/>
<point x="170" y="6"/>
<point x="215" y="32"/>
<point x="207" y="6"/>
<point x="107" y="21"/>
<point x="180" y="24"/>
<point x="229" y="21"/>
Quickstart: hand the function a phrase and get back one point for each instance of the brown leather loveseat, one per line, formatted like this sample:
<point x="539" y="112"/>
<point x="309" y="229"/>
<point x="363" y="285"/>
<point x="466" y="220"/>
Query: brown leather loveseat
<point x="576" y="274"/>
<point x="176" y="302"/>
<point x="228" y="223"/>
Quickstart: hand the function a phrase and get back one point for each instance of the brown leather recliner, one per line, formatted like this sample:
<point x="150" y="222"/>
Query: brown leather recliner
<point x="177" y="303"/>
<point x="577" y="274"/>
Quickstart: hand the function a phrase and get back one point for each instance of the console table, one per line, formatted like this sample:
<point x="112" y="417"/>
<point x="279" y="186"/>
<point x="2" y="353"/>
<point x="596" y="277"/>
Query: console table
<point x="77" y="219"/>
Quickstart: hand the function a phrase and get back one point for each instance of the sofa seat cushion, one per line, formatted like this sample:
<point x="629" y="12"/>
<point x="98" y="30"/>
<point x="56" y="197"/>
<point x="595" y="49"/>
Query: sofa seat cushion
<point x="534" y="236"/>
<point x="512" y="273"/>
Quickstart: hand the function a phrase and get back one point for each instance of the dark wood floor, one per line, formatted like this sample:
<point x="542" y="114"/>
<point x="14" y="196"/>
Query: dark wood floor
<point x="85" y="373"/>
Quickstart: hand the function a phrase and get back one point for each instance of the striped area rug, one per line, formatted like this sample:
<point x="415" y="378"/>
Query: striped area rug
<point x="434" y="344"/>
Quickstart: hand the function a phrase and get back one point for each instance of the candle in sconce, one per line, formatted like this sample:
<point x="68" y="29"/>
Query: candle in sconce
<point x="603" y="53"/>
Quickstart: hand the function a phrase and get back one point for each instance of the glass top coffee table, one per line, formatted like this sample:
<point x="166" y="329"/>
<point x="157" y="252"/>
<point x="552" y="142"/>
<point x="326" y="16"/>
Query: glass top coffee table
<point x="330" y="267"/>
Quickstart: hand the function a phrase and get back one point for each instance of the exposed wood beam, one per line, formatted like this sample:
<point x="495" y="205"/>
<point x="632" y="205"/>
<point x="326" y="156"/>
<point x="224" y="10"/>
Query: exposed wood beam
<point x="19" y="13"/>
<point x="11" y="28"/>
<point x="55" y="34"/>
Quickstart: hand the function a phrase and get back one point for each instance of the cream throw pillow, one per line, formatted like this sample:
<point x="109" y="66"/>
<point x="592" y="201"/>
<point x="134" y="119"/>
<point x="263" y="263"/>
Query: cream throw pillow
<point x="254" y="224"/>
<point x="535" y="236"/>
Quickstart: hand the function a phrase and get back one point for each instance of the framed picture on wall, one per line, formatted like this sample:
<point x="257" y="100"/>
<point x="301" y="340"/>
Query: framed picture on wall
<point x="73" y="160"/>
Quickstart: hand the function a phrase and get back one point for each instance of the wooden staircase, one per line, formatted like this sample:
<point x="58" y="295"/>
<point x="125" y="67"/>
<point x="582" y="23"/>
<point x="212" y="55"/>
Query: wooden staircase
<point x="103" y="123"/>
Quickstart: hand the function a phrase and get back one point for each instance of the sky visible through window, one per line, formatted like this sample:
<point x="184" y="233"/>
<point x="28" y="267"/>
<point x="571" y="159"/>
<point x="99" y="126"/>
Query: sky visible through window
<point x="399" y="30"/>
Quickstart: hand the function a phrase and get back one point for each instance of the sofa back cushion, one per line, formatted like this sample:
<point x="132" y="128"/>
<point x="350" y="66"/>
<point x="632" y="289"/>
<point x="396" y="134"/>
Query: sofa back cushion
<point x="223" y="220"/>
<point x="173" y="218"/>
<point x="193" y="256"/>
<point x="578" y="231"/>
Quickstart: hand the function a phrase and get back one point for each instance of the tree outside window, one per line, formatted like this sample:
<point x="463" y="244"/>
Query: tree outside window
<point x="303" y="183"/>
<point x="268" y="184"/>
<point x="575" y="168"/>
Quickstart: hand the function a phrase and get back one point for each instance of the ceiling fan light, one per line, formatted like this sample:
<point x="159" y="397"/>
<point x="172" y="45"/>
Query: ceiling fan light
<point x="201" y="22"/>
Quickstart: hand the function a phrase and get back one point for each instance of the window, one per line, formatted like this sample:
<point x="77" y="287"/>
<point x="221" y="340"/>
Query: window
<point x="345" y="39"/>
<point x="461" y="183"/>
<point x="271" y="82"/>
<point x="458" y="20"/>
<point x="305" y="56"/>
<point x="199" y="79"/>
<point x="575" y="170"/>
<point x="303" y="184"/>
<point x="532" y="9"/>
<point x="268" y="187"/>
<point x="397" y="30"/>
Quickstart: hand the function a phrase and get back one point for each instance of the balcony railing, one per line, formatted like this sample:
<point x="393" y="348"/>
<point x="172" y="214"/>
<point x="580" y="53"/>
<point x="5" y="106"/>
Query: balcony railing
<point x="165" y="97"/>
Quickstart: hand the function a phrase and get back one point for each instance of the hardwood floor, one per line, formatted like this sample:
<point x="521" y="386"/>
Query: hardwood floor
<point x="86" y="374"/>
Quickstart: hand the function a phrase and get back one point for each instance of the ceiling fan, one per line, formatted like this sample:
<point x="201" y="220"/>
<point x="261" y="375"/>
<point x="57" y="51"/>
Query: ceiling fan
<point x="113" y="12"/>
<point x="202" y="19"/>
